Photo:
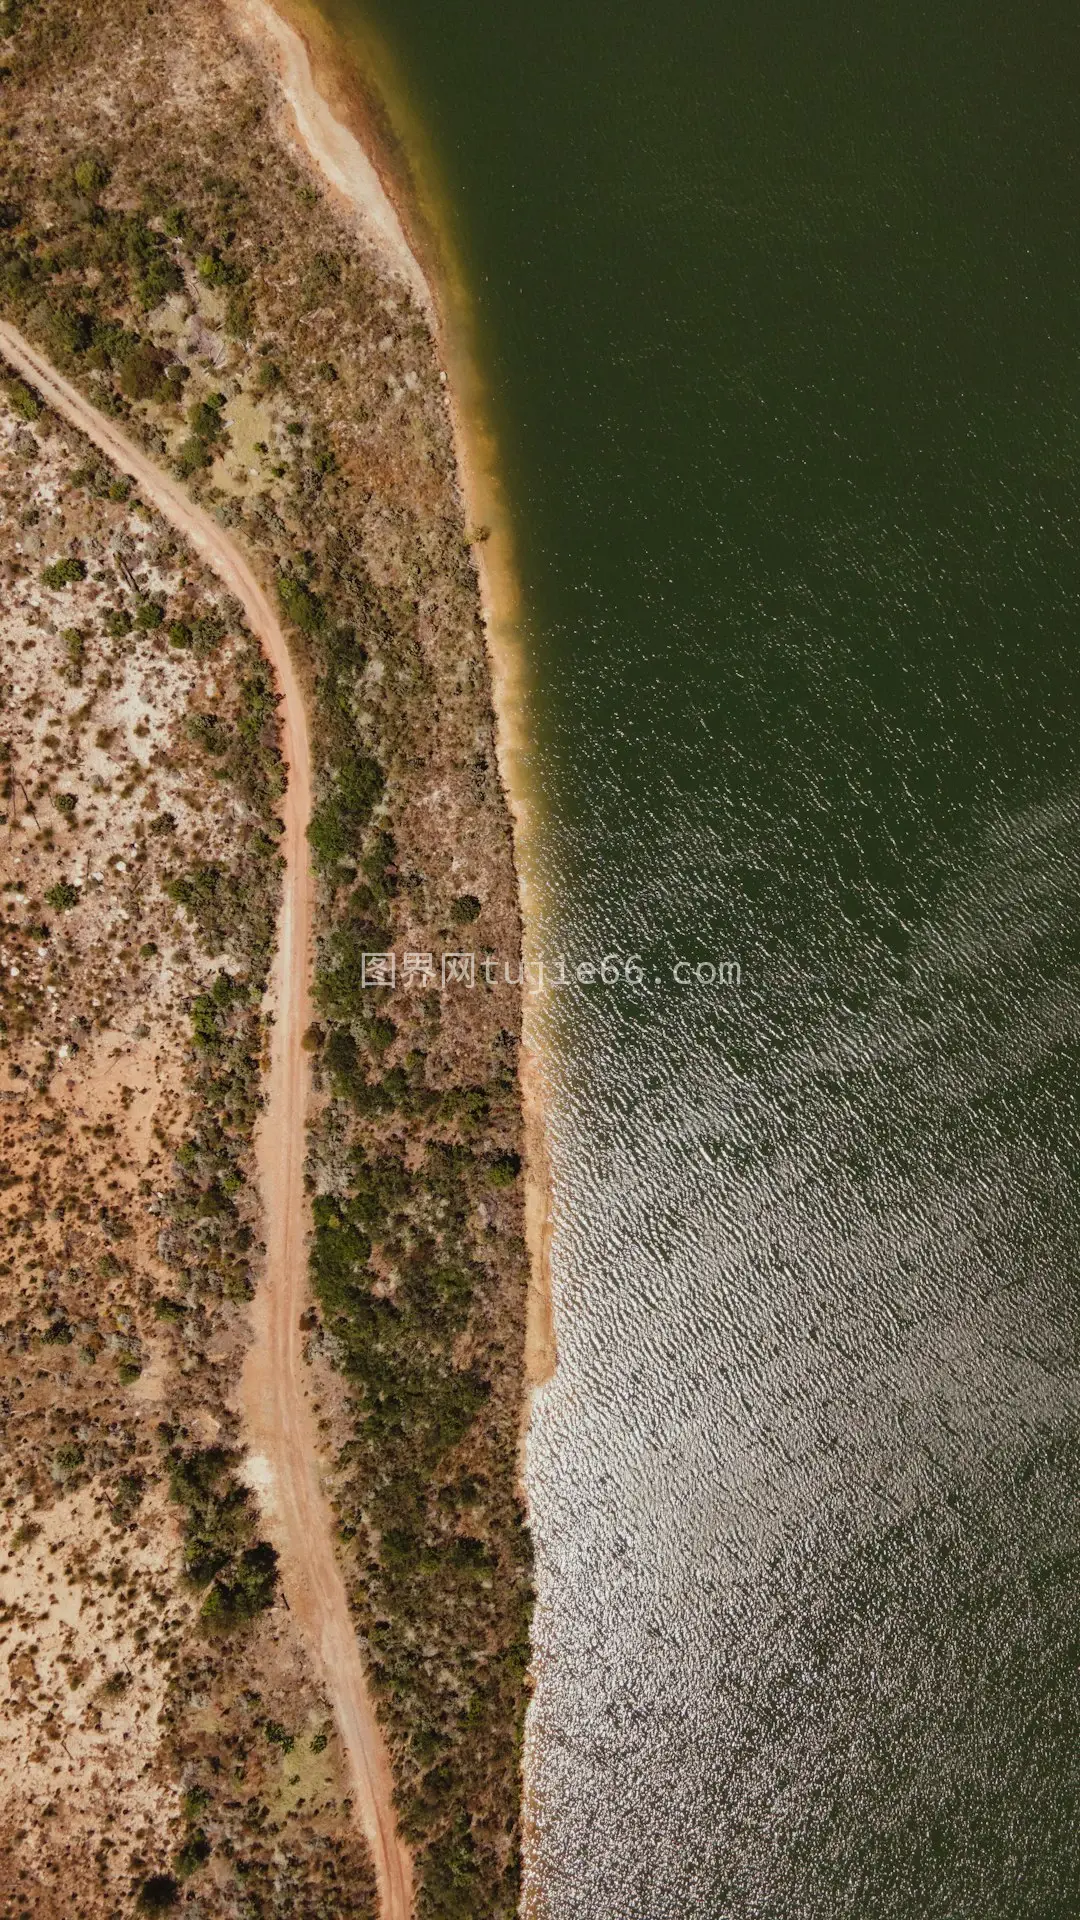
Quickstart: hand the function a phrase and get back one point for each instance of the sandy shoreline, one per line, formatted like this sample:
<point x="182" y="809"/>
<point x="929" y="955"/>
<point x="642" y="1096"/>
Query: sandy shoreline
<point x="337" y="138"/>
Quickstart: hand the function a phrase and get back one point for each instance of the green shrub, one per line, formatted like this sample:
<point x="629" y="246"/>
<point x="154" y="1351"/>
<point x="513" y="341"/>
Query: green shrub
<point x="204" y="418"/>
<point x="23" y="399"/>
<point x="180" y="634"/>
<point x="212" y="270"/>
<point x="75" y="648"/>
<point x="503" y="1171"/>
<point x="68" y="332"/>
<point x="207" y="632"/>
<point x="338" y="822"/>
<point x="193" y="1854"/>
<point x="128" y="1496"/>
<point x="465" y="909"/>
<point x="339" y="989"/>
<point x="248" y="1590"/>
<point x="207" y="732"/>
<point x="63" y="573"/>
<point x="63" y="896"/>
<point x="90" y="175"/>
<point x="206" y="1022"/>
<point x="64" y="803"/>
<point x="117" y="622"/>
<point x="160" y="277"/>
<point x="192" y="457"/>
<point x="218" y="1527"/>
<point x="450" y="1874"/>
<point x="142" y="372"/>
<point x="299" y="604"/>
<point x="155" y="272"/>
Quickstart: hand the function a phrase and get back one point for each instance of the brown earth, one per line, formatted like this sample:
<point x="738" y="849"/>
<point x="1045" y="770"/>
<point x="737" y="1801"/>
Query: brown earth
<point x="278" y="1417"/>
<point x="121" y="1718"/>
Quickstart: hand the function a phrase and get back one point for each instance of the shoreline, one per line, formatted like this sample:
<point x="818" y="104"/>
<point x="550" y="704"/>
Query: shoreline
<point x="339" y="138"/>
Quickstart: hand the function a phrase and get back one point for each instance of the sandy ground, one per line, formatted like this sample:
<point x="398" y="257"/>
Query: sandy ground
<point x="351" y="172"/>
<point x="279" y="1422"/>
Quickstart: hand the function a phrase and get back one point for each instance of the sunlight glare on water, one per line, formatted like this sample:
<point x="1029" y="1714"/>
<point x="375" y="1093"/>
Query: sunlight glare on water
<point x="779" y="311"/>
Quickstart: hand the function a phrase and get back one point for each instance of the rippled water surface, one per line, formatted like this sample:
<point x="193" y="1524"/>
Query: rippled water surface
<point x="779" y="305"/>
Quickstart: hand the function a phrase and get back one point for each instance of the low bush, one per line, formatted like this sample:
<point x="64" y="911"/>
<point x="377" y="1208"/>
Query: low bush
<point x="337" y="824"/>
<point x="299" y="604"/>
<point x="193" y="1854"/>
<point x="504" y="1170"/>
<point x="142" y="372"/>
<point x="220" y="1519"/>
<point x="23" y="399"/>
<point x="63" y="896"/>
<point x="63" y="573"/>
<point x="192" y="457"/>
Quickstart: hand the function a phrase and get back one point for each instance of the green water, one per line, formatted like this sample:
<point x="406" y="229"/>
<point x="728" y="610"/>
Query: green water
<point x="778" y="308"/>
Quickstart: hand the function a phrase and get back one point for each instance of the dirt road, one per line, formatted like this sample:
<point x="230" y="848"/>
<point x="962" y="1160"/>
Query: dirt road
<point x="280" y="1427"/>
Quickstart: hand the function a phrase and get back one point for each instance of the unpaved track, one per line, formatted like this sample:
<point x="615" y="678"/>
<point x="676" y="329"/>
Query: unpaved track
<point x="279" y="1422"/>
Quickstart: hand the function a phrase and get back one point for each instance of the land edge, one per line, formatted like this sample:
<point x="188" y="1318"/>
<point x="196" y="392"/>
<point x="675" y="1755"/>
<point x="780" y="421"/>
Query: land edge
<point x="342" y="133"/>
<point x="276" y="1413"/>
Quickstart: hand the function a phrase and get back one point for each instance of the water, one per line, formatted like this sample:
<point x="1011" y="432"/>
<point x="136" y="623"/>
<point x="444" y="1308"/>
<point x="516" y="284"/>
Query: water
<point x="779" y="310"/>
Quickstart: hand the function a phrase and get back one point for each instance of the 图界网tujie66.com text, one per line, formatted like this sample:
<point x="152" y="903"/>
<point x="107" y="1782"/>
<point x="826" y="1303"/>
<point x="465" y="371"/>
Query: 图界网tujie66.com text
<point x="443" y="972"/>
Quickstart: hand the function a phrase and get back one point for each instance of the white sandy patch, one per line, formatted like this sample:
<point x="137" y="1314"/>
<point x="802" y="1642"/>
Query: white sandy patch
<point x="335" y="147"/>
<point x="257" y="1472"/>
